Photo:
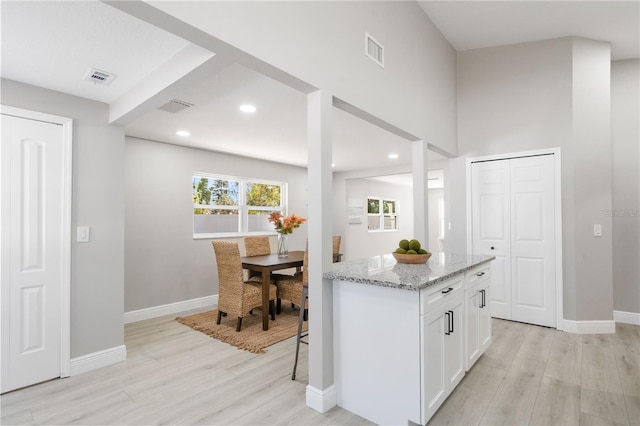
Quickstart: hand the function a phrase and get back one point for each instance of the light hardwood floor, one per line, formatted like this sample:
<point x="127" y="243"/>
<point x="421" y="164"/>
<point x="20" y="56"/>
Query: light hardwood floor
<point x="174" y="375"/>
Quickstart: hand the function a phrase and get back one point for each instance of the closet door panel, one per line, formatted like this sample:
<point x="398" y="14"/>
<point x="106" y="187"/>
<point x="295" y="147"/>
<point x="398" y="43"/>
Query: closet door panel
<point x="490" y="206"/>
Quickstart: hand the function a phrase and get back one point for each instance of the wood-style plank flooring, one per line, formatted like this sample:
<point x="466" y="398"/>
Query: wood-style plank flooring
<point x="540" y="376"/>
<point x="174" y="375"/>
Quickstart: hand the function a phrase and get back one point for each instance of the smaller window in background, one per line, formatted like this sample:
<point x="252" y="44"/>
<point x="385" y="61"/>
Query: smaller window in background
<point x="389" y="218"/>
<point x="373" y="211"/>
<point x="382" y="214"/>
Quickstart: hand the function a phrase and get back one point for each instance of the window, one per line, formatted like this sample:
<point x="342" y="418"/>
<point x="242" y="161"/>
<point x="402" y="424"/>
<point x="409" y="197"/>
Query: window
<point x="224" y="205"/>
<point x="382" y="214"/>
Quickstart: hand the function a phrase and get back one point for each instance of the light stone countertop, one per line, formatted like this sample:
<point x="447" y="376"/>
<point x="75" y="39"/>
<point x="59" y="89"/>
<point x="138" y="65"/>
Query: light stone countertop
<point x="384" y="271"/>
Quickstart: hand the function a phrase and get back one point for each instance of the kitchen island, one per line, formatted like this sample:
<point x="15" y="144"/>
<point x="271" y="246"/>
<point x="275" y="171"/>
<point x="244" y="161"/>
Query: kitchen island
<point x="404" y="335"/>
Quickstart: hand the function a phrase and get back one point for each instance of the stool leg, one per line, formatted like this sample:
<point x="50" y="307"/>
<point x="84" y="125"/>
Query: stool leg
<point x="305" y="289"/>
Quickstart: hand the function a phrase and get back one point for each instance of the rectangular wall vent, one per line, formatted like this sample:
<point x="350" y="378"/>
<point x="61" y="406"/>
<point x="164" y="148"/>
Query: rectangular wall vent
<point x="100" y="77"/>
<point x="175" y="105"/>
<point x="374" y="50"/>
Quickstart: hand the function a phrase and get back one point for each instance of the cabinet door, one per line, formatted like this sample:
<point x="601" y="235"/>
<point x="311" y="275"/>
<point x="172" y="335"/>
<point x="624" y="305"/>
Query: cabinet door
<point x="454" y="343"/>
<point x="484" y="317"/>
<point x="434" y="384"/>
<point x="472" y="342"/>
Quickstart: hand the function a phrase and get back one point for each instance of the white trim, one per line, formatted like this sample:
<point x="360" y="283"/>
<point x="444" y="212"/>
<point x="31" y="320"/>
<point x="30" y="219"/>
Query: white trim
<point x="67" y="167"/>
<point x="589" y="327"/>
<point x="99" y="359"/>
<point x="322" y="400"/>
<point x="171" y="308"/>
<point x="558" y="226"/>
<point x="560" y="323"/>
<point x="626" y="317"/>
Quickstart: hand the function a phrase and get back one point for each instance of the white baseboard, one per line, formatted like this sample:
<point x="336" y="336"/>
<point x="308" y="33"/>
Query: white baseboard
<point x="322" y="400"/>
<point x="171" y="308"/>
<point x="626" y="317"/>
<point x="99" y="359"/>
<point x="589" y="327"/>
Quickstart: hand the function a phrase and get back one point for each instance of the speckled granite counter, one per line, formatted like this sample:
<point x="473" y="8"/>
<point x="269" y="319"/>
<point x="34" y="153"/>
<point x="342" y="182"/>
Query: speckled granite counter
<point x="383" y="270"/>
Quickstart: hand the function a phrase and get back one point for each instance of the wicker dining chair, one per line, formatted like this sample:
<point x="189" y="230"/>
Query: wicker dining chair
<point x="290" y="287"/>
<point x="256" y="246"/>
<point x="337" y="239"/>
<point x="237" y="297"/>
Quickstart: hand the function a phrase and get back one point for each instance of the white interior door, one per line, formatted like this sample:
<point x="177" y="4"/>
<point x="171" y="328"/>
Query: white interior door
<point x="532" y="240"/>
<point x="491" y="231"/>
<point x="33" y="250"/>
<point x="513" y="218"/>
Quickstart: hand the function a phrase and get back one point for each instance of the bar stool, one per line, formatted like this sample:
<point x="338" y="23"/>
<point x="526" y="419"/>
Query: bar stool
<point x="305" y="295"/>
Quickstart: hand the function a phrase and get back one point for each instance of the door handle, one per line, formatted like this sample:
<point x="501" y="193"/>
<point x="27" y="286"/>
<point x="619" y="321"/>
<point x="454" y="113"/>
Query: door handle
<point x="448" y="323"/>
<point x="451" y="321"/>
<point x="493" y="248"/>
<point x="482" y="300"/>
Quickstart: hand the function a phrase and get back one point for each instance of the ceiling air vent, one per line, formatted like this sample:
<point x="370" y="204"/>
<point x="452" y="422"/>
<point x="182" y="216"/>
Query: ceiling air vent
<point x="175" y="105"/>
<point x="100" y="77"/>
<point x="374" y="50"/>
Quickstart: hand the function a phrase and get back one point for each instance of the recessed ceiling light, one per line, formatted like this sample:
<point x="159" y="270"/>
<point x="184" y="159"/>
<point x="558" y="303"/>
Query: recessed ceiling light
<point x="183" y="133"/>
<point x="393" y="156"/>
<point x="247" y="108"/>
<point x="333" y="164"/>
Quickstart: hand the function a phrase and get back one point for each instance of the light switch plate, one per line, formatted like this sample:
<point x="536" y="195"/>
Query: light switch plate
<point x="597" y="230"/>
<point x="82" y="234"/>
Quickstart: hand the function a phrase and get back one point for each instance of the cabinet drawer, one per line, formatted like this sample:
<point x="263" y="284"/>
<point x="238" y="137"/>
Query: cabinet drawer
<point x="434" y="296"/>
<point x="477" y="275"/>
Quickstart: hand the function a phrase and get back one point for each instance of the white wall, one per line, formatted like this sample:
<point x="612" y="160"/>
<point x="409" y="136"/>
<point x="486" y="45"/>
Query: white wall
<point x="361" y="243"/>
<point x="322" y="44"/>
<point x="592" y="166"/>
<point x="625" y="137"/>
<point x="546" y="94"/>
<point x="435" y="197"/>
<point x="164" y="264"/>
<point x="97" y="268"/>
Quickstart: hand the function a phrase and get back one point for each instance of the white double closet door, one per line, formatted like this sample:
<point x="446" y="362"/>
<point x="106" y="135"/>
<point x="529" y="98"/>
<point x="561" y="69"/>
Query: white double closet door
<point x="513" y="218"/>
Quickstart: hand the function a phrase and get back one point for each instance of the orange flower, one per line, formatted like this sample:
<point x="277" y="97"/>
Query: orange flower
<point x="286" y="225"/>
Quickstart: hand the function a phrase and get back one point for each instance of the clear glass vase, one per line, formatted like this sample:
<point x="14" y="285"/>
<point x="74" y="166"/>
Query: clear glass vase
<point x="283" y="249"/>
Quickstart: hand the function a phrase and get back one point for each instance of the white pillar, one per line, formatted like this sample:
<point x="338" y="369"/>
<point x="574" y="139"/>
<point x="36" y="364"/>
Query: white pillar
<point x="420" y="167"/>
<point x="321" y="394"/>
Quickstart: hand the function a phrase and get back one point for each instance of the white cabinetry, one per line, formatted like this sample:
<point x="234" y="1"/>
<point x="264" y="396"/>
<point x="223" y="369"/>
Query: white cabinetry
<point x="478" y="314"/>
<point x="442" y="350"/>
<point x="399" y="353"/>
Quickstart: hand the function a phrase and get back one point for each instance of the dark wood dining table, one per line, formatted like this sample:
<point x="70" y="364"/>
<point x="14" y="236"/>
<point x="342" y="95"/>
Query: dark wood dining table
<point x="267" y="264"/>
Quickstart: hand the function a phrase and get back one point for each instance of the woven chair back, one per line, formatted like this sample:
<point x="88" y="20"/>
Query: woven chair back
<point x="230" y="280"/>
<point x="305" y="267"/>
<point x="257" y="246"/>
<point x="336" y="244"/>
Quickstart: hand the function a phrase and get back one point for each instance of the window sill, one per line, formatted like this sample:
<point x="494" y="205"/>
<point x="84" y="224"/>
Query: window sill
<point x="232" y="235"/>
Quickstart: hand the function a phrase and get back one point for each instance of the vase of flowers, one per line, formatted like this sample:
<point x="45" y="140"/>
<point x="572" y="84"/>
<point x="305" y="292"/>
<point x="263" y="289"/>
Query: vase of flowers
<point x="285" y="226"/>
<point x="283" y="248"/>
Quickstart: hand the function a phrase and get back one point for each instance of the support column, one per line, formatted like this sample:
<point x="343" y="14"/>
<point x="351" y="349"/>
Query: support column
<point x="321" y="393"/>
<point x="420" y="167"/>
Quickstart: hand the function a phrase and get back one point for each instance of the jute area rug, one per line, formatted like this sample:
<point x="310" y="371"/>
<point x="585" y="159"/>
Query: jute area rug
<point x="251" y="337"/>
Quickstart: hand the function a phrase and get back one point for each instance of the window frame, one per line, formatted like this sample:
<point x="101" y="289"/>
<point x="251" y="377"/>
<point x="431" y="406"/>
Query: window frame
<point x="242" y="207"/>
<point x="381" y="214"/>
